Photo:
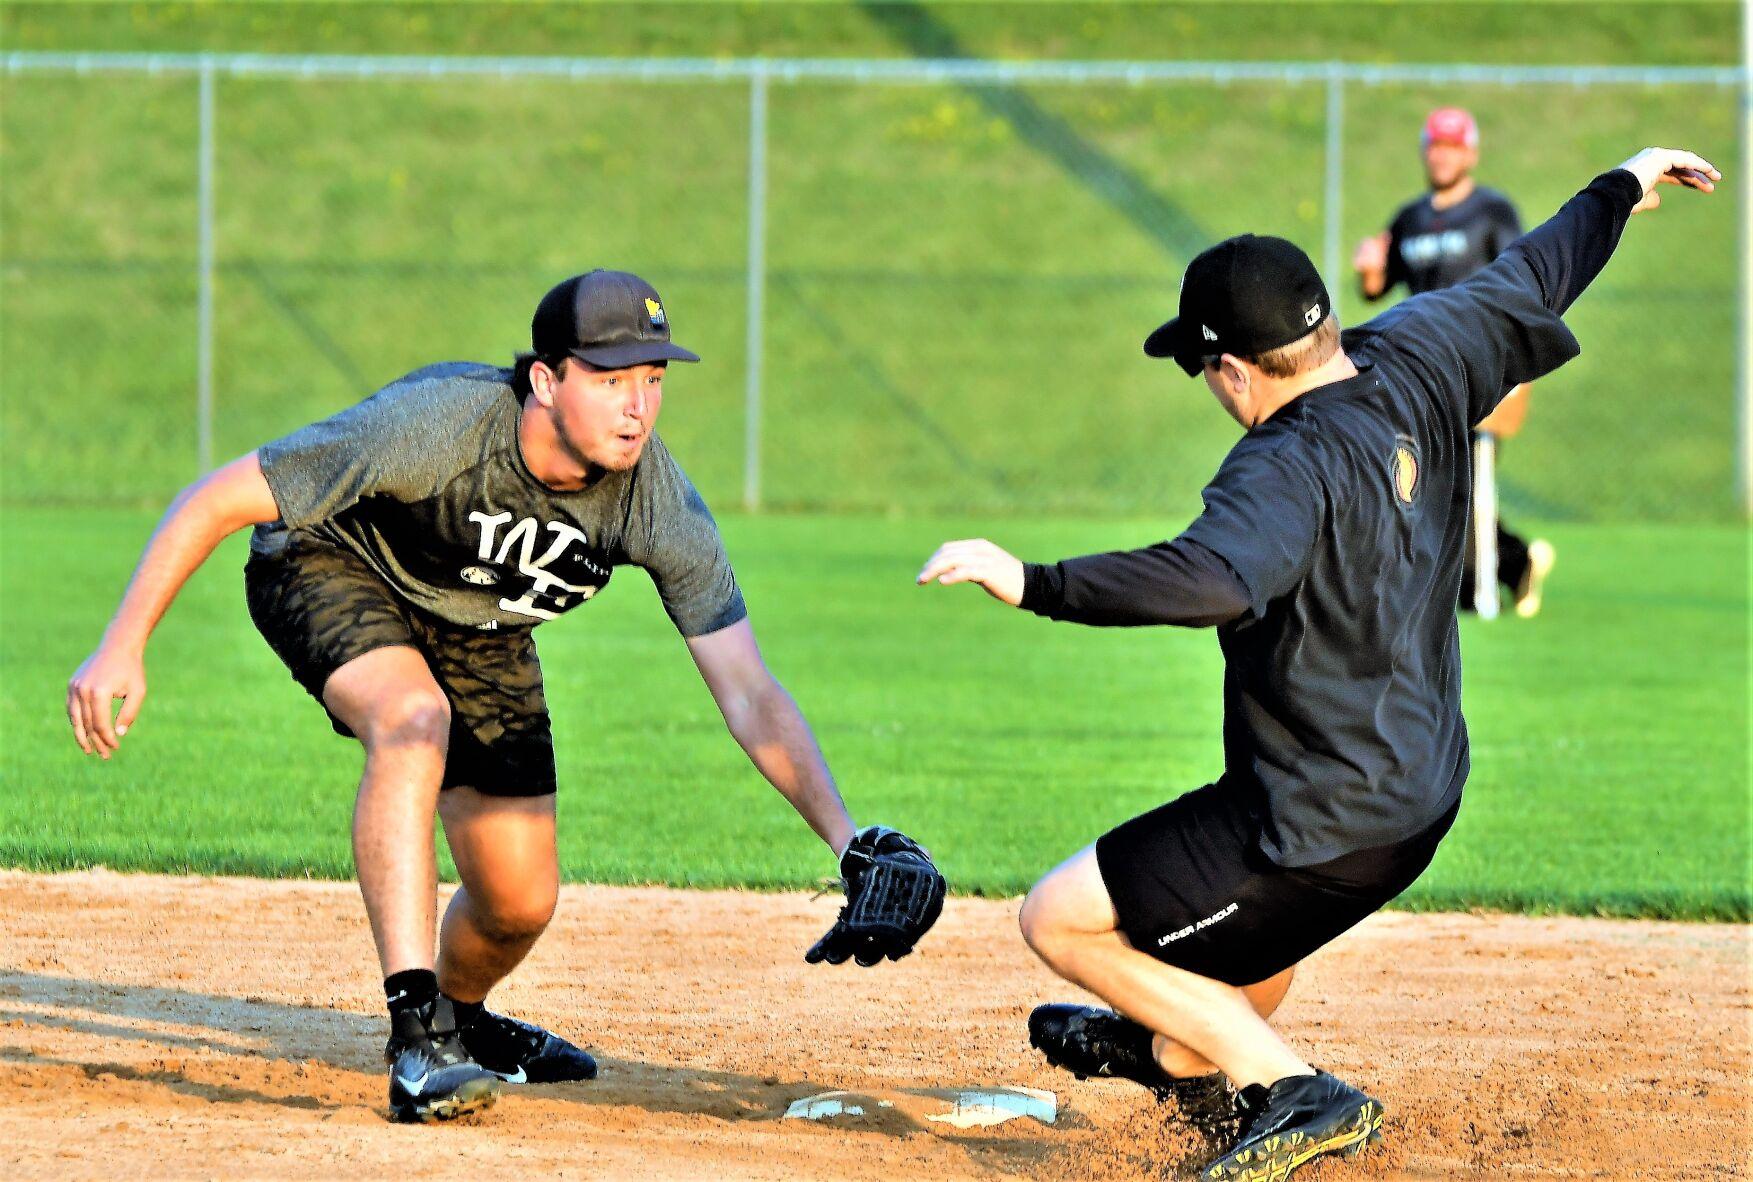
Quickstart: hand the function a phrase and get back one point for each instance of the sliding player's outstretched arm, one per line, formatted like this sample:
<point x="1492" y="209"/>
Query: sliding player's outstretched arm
<point x="1654" y="167"/>
<point x="1502" y="326"/>
<point x="1569" y="249"/>
<point x="201" y="516"/>
<point x="1179" y="581"/>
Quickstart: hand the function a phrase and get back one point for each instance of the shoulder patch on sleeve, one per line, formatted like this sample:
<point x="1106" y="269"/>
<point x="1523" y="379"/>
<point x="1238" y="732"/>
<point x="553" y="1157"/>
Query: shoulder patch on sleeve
<point x="1408" y="470"/>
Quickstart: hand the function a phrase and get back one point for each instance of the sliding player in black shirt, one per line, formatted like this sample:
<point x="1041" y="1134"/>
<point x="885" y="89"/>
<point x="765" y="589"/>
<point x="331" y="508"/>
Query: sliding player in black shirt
<point x="1329" y="558"/>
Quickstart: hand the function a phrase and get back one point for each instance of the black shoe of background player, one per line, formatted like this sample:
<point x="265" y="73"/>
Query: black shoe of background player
<point x="432" y="1076"/>
<point x="1295" y="1121"/>
<point x="518" y="1052"/>
<point x="1087" y="1041"/>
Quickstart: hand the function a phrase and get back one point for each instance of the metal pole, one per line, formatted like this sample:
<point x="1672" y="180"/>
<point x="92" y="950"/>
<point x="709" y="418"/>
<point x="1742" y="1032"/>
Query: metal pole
<point x="1744" y="318"/>
<point x="204" y="330"/>
<point x="1334" y="198"/>
<point x="757" y="281"/>
<point x="1485" y="601"/>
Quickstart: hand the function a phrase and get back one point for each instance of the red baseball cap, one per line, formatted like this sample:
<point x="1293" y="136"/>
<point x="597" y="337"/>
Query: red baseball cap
<point x="1450" y="125"/>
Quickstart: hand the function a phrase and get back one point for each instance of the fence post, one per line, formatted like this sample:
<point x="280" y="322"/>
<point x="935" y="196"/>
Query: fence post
<point x="1334" y="197"/>
<point x="204" y="317"/>
<point x="204" y="351"/>
<point x="757" y="285"/>
<point x="1744" y="311"/>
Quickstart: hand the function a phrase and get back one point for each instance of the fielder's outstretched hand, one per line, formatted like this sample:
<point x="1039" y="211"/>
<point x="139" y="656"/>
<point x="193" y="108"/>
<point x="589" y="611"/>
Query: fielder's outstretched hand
<point x="976" y="561"/>
<point x="893" y="896"/>
<point x="92" y="692"/>
<point x="1669" y="166"/>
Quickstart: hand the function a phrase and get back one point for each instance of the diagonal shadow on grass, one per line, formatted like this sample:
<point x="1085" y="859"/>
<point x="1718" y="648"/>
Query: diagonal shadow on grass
<point x="325" y="345"/>
<point x="1169" y="225"/>
<point x="910" y="409"/>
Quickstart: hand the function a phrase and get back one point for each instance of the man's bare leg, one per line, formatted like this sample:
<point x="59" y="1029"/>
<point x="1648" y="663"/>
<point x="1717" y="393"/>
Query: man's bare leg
<point x="505" y="855"/>
<point x="1264" y="996"/>
<point x="389" y="699"/>
<point x="1069" y="920"/>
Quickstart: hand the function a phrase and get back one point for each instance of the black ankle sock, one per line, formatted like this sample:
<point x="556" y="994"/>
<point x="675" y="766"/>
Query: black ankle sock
<point x="466" y="1011"/>
<point x="410" y="989"/>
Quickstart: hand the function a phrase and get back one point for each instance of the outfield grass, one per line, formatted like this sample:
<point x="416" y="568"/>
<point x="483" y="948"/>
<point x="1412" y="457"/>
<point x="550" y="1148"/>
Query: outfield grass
<point x="1610" y="737"/>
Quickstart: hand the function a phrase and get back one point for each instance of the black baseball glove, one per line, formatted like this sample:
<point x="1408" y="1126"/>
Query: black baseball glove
<point x="893" y="896"/>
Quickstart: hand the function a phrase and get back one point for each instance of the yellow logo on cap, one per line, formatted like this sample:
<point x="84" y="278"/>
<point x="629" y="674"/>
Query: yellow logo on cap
<point x="654" y="310"/>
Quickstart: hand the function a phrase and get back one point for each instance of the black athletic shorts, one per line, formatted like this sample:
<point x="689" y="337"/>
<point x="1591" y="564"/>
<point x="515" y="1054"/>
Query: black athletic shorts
<point x="319" y="606"/>
<point x="1193" y="889"/>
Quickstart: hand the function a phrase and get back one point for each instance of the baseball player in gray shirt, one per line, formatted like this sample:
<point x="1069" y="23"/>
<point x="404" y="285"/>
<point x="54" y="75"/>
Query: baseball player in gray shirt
<point x="403" y="552"/>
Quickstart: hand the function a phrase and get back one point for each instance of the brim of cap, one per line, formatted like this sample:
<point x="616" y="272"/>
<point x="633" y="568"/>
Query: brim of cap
<point x="1171" y="341"/>
<point x="633" y="353"/>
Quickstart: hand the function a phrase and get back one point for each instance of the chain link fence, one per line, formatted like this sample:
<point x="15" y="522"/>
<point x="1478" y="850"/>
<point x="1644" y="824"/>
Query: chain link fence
<point x="918" y="287"/>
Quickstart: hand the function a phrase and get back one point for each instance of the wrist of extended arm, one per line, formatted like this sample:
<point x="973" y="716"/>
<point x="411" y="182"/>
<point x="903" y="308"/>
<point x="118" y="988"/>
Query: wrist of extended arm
<point x="1620" y="183"/>
<point x="1043" y="588"/>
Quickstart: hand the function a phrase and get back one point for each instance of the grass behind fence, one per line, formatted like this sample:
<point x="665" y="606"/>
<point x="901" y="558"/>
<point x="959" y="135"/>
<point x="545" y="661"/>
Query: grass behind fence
<point x="1679" y="32"/>
<point x="959" y="277"/>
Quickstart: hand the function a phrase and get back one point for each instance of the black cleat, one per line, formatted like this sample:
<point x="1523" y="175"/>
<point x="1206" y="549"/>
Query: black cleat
<point x="1295" y="1121"/>
<point x="432" y="1076"/>
<point x="518" y="1052"/>
<point x="1087" y="1041"/>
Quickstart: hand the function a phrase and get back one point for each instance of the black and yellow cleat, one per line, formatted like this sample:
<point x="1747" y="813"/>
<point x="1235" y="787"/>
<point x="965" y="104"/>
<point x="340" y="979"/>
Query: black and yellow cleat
<point x="1295" y="1121"/>
<point x="432" y="1076"/>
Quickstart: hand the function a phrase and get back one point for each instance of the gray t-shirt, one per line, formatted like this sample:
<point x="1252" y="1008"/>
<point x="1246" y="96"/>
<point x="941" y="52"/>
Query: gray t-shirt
<point x="426" y="482"/>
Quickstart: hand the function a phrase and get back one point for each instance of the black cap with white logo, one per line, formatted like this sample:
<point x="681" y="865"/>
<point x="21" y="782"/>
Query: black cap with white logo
<point x="611" y="319"/>
<point x="1243" y="296"/>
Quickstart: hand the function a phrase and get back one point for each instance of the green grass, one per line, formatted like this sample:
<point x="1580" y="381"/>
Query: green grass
<point x="1610" y="735"/>
<point x="953" y="308"/>
<point x="956" y="296"/>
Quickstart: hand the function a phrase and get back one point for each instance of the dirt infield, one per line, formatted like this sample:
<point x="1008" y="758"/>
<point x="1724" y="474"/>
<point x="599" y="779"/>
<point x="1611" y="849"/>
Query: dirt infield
<point x="170" y="1027"/>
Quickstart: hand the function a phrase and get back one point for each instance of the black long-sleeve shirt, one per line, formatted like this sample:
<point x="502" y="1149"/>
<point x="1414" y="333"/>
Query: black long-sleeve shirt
<point x="1338" y="526"/>
<point x="1173" y="582"/>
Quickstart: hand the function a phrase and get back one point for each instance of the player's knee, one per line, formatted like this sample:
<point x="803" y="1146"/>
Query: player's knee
<point x="410" y="717"/>
<point x="514" y="918"/>
<point x="1042" y="924"/>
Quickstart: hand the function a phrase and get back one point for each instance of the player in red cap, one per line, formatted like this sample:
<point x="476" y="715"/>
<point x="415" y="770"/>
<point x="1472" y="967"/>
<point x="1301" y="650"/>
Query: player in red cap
<point x="1435" y="241"/>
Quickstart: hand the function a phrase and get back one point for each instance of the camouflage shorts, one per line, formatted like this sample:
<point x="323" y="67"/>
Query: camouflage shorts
<point x="319" y="607"/>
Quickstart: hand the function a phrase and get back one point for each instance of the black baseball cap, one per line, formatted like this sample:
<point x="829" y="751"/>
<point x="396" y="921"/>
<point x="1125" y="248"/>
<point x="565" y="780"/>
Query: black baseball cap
<point x="610" y="319"/>
<point x="1244" y="296"/>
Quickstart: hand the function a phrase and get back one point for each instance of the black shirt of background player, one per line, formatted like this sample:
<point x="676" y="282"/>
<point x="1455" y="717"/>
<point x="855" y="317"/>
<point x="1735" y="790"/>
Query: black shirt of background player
<point x="1432" y="248"/>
